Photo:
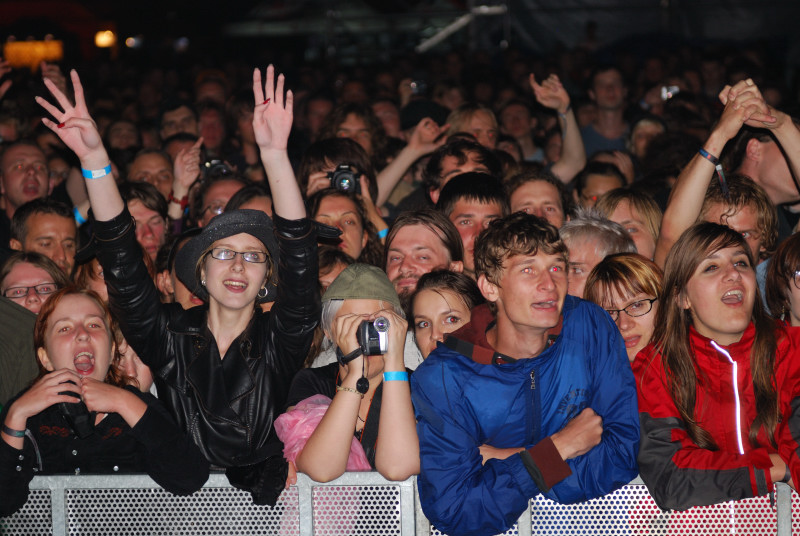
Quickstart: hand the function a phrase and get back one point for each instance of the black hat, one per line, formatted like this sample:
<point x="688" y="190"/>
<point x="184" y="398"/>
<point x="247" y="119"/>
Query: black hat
<point x="253" y="222"/>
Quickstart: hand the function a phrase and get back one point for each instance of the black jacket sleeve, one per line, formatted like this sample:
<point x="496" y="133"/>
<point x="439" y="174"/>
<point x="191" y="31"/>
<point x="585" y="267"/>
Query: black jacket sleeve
<point x="171" y="458"/>
<point x="132" y="295"/>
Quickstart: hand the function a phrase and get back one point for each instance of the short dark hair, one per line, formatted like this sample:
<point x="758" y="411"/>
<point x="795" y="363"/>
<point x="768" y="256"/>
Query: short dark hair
<point x="196" y="198"/>
<point x="473" y="186"/>
<point x="460" y="283"/>
<point x="170" y="105"/>
<point x="597" y="168"/>
<point x="436" y="222"/>
<point x="458" y="148"/>
<point x="736" y="149"/>
<point x="516" y="234"/>
<point x="603" y="68"/>
<point x="247" y="193"/>
<point x="145" y="192"/>
<point x="541" y="175"/>
<point x="321" y="154"/>
<point x="45" y="205"/>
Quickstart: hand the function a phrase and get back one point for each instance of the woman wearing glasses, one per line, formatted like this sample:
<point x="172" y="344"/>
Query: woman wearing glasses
<point x="783" y="282"/>
<point x="224" y="369"/>
<point x="718" y="382"/>
<point x="627" y="285"/>
<point x="28" y="279"/>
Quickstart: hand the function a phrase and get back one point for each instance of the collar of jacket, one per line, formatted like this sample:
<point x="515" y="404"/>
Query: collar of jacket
<point x="739" y="350"/>
<point x="470" y="340"/>
<point x="221" y="384"/>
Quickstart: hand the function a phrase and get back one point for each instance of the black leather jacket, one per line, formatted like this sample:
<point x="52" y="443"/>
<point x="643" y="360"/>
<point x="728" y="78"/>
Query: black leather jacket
<point x="228" y="405"/>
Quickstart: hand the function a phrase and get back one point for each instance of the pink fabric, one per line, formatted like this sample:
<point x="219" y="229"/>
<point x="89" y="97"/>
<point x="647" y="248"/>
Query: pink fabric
<point x="295" y="427"/>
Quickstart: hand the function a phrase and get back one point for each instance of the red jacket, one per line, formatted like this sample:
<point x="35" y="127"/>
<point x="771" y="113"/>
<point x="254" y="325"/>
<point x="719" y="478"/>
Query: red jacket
<point x="678" y="473"/>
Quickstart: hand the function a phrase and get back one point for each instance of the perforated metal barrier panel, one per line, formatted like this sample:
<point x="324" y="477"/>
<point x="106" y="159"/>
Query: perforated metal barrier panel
<point x="358" y="504"/>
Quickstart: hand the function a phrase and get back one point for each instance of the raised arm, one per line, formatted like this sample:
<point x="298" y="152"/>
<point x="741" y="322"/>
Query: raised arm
<point x="426" y="138"/>
<point x="397" y="449"/>
<point x="325" y="454"/>
<point x="686" y="199"/>
<point x="78" y="131"/>
<point x="186" y="171"/>
<point x="782" y="126"/>
<point x="272" y="123"/>
<point x="551" y="94"/>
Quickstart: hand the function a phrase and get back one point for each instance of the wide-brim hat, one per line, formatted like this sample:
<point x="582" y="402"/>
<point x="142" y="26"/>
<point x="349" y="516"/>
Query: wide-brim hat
<point x="253" y="222"/>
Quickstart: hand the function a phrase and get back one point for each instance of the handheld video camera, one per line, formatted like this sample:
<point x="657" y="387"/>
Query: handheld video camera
<point x="373" y="336"/>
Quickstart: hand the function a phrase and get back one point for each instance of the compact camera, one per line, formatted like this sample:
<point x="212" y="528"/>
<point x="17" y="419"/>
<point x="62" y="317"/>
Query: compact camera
<point x="373" y="336"/>
<point x="77" y="415"/>
<point x="345" y="179"/>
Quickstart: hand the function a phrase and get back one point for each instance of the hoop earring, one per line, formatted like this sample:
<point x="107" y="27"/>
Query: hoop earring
<point x="262" y="292"/>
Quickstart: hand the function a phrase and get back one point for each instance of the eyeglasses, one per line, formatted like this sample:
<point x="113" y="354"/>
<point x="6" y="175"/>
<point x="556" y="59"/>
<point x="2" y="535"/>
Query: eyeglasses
<point x="216" y="210"/>
<point x="42" y="289"/>
<point x="796" y="279"/>
<point x="225" y="254"/>
<point x="637" y="308"/>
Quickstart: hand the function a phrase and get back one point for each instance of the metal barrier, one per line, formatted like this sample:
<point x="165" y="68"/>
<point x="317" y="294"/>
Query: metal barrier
<point x="356" y="504"/>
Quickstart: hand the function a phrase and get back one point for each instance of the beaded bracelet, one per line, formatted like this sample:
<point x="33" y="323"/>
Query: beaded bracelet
<point x="349" y="390"/>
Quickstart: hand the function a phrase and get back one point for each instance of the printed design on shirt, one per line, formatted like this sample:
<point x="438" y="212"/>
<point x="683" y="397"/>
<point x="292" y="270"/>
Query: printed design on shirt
<point x="572" y="403"/>
<point x="58" y="431"/>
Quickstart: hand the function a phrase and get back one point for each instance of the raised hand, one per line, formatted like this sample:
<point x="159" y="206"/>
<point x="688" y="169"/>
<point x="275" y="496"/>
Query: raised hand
<point x="427" y="136"/>
<point x="186" y="168"/>
<point x="398" y="326"/>
<point x="746" y="96"/>
<point x="74" y="125"/>
<point x="272" y="117"/>
<point x="550" y="93"/>
<point x="744" y="105"/>
<point x="43" y="394"/>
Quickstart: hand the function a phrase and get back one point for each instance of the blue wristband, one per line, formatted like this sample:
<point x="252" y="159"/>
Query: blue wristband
<point x="395" y="375"/>
<point x="382" y="233"/>
<point x="96" y="173"/>
<point x="80" y="220"/>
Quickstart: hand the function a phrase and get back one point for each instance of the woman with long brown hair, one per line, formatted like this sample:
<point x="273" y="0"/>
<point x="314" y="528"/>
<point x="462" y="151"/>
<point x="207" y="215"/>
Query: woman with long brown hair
<point x="715" y="384"/>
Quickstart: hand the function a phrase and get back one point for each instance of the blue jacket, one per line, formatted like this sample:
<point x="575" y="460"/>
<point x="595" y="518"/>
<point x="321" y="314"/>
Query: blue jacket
<point x="461" y="404"/>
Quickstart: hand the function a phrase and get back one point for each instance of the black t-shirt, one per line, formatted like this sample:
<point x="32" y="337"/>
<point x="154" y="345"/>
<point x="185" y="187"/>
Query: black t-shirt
<point x="313" y="381"/>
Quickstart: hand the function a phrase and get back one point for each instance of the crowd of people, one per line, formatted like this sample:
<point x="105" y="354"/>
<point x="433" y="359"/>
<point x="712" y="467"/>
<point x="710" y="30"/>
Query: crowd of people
<point x="546" y="284"/>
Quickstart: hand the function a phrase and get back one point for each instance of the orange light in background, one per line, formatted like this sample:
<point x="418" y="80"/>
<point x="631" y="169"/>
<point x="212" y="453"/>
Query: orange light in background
<point x="31" y="53"/>
<point x="105" y="39"/>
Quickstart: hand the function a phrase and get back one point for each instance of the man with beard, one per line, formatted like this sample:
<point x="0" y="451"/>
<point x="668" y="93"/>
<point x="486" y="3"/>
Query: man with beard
<point x="420" y="242"/>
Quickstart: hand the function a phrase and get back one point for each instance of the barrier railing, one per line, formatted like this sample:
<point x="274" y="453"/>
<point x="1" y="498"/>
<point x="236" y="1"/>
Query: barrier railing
<point x="356" y="503"/>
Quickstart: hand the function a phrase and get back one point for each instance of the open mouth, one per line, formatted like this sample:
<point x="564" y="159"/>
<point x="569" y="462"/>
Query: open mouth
<point x="234" y="285"/>
<point x="84" y="363"/>
<point x="733" y="297"/>
<point x="30" y="188"/>
<point x="545" y="305"/>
